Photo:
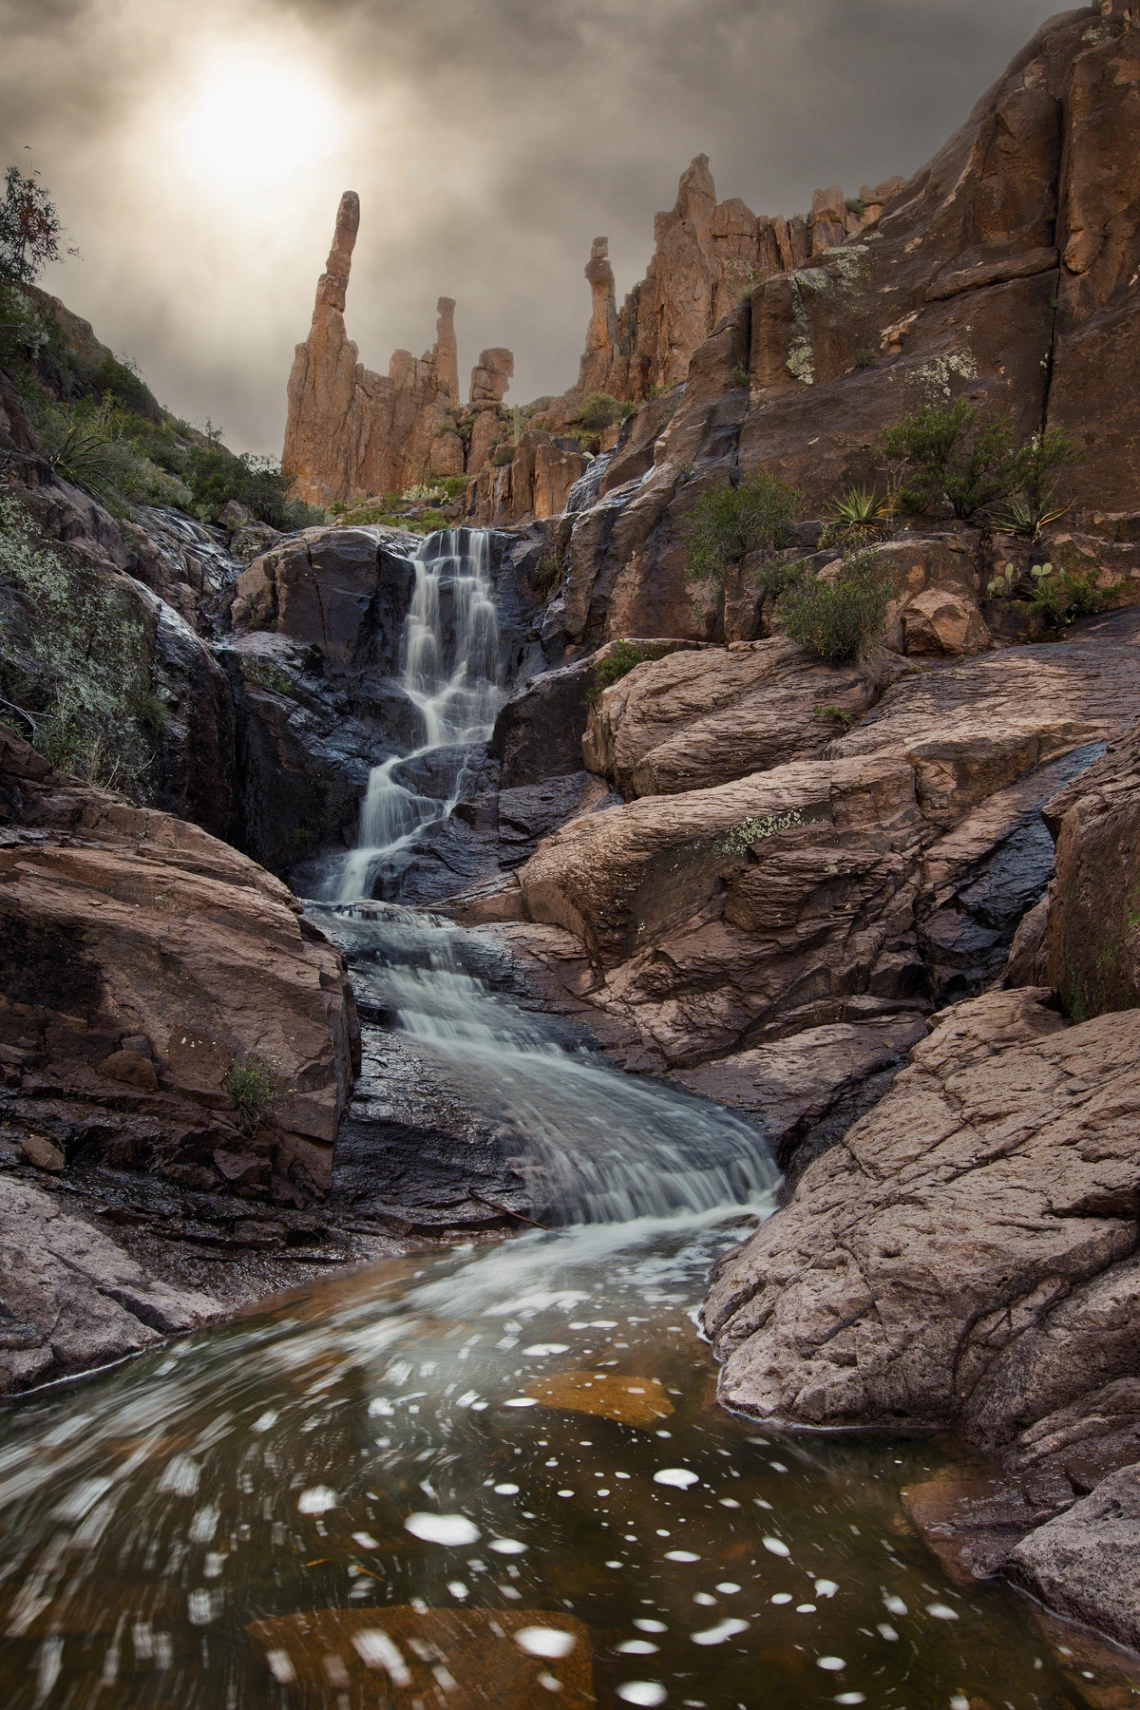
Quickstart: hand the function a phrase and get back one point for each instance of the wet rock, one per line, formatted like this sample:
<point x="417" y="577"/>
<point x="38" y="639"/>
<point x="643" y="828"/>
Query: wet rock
<point x="628" y="1400"/>
<point x="1087" y="937"/>
<point x="1086" y="1562"/>
<point x="118" y="922"/>
<point x="400" y="1656"/>
<point x="71" y="1299"/>
<point x="40" y="1152"/>
<point x="809" y="1088"/>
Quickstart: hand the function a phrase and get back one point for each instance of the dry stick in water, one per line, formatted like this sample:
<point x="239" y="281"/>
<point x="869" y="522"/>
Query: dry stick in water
<point x="507" y="1212"/>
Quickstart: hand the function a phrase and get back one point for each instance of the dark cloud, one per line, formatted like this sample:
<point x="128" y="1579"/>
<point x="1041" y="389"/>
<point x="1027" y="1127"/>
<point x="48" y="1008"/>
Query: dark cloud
<point x="490" y="141"/>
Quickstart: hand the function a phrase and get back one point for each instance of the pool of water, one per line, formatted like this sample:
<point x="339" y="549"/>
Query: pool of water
<point x="495" y="1475"/>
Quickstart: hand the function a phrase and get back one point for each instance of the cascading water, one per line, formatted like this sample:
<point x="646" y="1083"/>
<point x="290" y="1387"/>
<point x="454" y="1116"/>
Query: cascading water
<point x="449" y="670"/>
<point x="593" y="1145"/>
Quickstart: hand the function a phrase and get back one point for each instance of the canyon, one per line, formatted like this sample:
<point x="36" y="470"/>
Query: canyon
<point x="873" y="920"/>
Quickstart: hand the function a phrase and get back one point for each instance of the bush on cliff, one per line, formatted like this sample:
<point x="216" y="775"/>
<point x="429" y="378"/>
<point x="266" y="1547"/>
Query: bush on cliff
<point x="613" y="668"/>
<point x="216" y="475"/>
<point x="952" y="456"/>
<point x="74" y="661"/>
<point x="838" y="619"/>
<point x="728" y="523"/>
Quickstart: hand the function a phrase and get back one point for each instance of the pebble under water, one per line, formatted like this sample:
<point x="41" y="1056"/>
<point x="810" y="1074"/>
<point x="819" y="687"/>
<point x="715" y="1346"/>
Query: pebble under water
<point x="492" y="1476"/>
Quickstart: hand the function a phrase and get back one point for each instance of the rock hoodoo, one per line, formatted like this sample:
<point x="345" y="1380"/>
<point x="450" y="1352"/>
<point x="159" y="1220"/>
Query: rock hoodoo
<point x="350" y="431"/>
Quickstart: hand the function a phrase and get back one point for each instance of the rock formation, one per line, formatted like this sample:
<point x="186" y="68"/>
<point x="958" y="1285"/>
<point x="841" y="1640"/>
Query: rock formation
<point x="141" y="961"/>
<point x="351" y="432"/>
<point x="708" y="256"/>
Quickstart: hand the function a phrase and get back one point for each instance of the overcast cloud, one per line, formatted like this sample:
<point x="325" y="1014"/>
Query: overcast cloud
<point x="197" y="149"/>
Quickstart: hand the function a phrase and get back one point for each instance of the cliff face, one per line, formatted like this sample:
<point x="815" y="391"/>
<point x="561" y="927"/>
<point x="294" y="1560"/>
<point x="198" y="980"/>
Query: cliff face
<point x="352" y="431"/>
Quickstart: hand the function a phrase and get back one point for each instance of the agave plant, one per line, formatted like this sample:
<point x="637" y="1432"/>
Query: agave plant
<point x="858" y="517"/>
<point x="1026" y="515"/>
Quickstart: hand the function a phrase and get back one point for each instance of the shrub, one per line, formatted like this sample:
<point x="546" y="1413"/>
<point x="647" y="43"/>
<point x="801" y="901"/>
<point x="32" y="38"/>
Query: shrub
<point x="599" y="411"/>
<point x="841" y="717"/>
<point x="613" y="668"/>
<point x="254" y="1084"/>
<point x="1025" y="517"/>
<point x="454" y="486"/>
<point x="837" y="620"/>
<point x="728" y="523"/>
<point x="216" y="475"/>
<point x="546" y="573"/>
<point x="953" y="458"/>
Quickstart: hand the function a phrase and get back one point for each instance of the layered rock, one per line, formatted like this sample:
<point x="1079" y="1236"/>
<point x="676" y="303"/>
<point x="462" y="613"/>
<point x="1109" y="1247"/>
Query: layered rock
<point x="351" y="431"/>
<point x="148" y="968"/>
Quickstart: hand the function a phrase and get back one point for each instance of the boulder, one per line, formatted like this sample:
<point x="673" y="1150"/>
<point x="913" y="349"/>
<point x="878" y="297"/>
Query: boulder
<point x="965" y="1257"/>
<point x="694" y="720"/>
<point x="939" y="622"/>
<point x="122" y="926"/>
<point x="1086" y="1562"/>
<point x="72" y="1299"/>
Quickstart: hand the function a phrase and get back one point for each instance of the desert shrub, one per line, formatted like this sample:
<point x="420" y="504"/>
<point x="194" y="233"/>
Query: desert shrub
<point x="546" y="573"/>
<point x="598" y="411"/>
<point x="254" y="1084"/>
<point x="951" y="456"/>
<point x="502" y="455"/>
<point x="728" y="523"/>
<point x="216" y="475"/>
<point x="841" y="718"/>
<point x="838" y="619"/>
<point x="613" y="668"/>
<point x="75" y="654"/>
<point x="454" y="486"/>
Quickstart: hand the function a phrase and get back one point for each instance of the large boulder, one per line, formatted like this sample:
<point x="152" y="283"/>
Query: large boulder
<point x="164" y="1006"/>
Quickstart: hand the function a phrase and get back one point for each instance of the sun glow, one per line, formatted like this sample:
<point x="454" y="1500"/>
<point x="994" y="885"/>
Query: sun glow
<point x="252" y="122"/>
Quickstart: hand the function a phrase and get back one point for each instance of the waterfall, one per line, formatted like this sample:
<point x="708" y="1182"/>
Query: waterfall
<point x="449" y="670"/>
<point x="592" y="1144"/>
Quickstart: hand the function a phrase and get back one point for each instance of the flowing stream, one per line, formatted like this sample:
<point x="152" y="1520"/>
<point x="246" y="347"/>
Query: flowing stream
<point x="486" y="1475"/>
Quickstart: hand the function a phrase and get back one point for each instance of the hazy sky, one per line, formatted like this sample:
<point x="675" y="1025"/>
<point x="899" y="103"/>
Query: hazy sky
<point x="197" y="149"/>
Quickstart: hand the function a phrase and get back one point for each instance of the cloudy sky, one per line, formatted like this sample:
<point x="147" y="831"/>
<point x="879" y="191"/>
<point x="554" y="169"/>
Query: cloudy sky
<point x="197" y="149"/>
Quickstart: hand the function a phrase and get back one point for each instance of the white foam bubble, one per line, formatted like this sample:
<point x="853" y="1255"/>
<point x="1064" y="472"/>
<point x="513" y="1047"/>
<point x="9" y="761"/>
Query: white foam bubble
<point x="318" y="1500"/>
<point x="548" y="1642"/>
<point x="776" y="1546"/>
<point x="720" y="1633"/>
<point x="507" y="1547"/>
<point x="679" y="1477"/>
<point x="642" y="1692"/>
<point x="452" y="1529"/>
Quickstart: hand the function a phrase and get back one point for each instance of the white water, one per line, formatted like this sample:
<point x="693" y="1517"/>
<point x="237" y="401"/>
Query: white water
<point x="592" y="1145"/>
<point x="449" y="669"/>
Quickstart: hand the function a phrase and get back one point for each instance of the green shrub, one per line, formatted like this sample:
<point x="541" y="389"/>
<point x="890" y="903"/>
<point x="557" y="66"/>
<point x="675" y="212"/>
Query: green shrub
<point x="546" y="573"/>
<point x="216" y="475"/>
<point x="836" y="620"/>
<point x="952" y="458"/>
<point x="728" y="523"/>
<point x="454" y="486"/>
<point x="613" y="668"/>
<point x="598" y="411"/>
<point x="841" y="717"/>
<point x="74" y="653"/>
<point x="254" y="1084"/>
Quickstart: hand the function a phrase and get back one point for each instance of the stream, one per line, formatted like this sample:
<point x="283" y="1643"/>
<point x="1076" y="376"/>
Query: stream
<point x="489" y="1474"/>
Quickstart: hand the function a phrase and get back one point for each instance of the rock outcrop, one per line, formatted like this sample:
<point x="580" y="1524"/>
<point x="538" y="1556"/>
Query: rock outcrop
<point x="164" y="1008"/>
<point x="351" y="431"/>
